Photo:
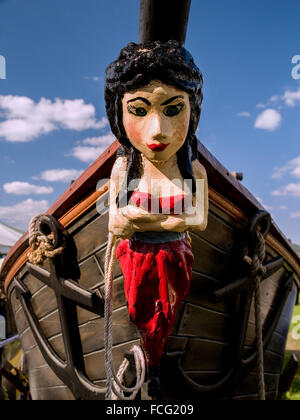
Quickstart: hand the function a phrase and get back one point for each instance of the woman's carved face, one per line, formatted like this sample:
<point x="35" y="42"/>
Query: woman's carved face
<point x="156" y="119"/>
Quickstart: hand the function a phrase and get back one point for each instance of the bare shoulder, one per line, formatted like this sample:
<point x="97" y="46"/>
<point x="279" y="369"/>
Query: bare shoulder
<point x="199" y="170"/>
<point x="120" y="165"/>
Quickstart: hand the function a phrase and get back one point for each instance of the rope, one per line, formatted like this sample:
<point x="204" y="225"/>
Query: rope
<point x="257" y="270"/>
<point x="42" y="245"/>
<point x="114" y="382"/>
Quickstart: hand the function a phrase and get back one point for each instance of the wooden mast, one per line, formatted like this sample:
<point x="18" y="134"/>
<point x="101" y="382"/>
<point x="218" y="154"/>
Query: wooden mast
<point x="163" y="20"/>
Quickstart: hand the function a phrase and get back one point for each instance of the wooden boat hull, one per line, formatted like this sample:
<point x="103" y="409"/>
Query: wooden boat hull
<point x="211" y="351"/>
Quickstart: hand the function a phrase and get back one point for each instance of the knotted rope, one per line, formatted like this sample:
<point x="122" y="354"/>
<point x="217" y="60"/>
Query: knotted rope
<point x="114" y="382"/>
<point x="42" y="245"/>
<point x="257" y="270"/>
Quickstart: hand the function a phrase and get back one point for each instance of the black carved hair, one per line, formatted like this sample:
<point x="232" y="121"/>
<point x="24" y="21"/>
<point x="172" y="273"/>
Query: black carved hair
<point x="136" y="67"/>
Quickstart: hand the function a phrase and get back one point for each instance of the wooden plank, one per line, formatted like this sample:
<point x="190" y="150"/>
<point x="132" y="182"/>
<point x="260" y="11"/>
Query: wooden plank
<point x="119" y="298"/>
<point x="34" y="358"/>
<point x="50" y="324"/>
<point x="174" y="344"/>
<point x="226" y="217"/>
<point x="273" y="362"/>
<point x="204" y="355"/>
<point x="100" y="255"/>
<point x="90" y="275"/>
<point x="92" y="333"/>
<point x="250" y="384"/>
<point x="27" y="340"/>
<point x="84" y="220"/>
<point x="179" y="315"/>
<point x="287" y="312"/>
<point x="58" y="346"/>
<point x="44" y="302"/>
<point x="206" y="259"/>
<point x="277" y="343"/>
<point x="32" y="283"/>
<point x="21" y="321"/>
<point x="220" y="234"/>
<point x="14" y="302"/>
<point x="201" y="287"/>
<point x="268" y="290"/>
<point x="43" y="377"/>
<point x="270" y="396"/>
<point x="59" y="393"/>
<point x="95" y="365"/>
<point x="92" y="237"/>
<point x="204" y="323"/>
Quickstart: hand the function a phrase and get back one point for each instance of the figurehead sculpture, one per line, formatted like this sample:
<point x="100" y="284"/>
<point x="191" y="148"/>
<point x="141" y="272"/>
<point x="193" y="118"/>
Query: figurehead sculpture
<point x="158" y="189"/>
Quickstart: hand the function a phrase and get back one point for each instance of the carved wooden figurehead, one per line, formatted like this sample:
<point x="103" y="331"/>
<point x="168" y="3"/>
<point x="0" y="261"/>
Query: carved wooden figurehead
<point x="158" y="189"/>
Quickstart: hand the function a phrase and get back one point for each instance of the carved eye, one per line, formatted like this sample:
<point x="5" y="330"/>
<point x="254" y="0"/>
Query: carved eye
<point x="173" y="110"/>
<point x="139" y="112"/>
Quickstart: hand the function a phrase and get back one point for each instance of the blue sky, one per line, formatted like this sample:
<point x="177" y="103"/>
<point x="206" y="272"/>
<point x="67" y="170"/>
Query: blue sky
<point x="52" y="115"/>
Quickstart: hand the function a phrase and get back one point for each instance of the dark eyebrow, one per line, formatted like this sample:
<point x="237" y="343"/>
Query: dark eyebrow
<point x="172" y="99"/>
<point x="139" y="98"/>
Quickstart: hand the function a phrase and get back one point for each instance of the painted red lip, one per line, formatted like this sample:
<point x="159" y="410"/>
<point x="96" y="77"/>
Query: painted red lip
<point x="158" y="147"/>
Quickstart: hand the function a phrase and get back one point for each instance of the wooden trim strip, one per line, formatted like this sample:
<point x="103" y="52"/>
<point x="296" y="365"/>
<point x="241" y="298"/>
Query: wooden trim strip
<point x="82" y="207"/>
<point x="227" y="206"/>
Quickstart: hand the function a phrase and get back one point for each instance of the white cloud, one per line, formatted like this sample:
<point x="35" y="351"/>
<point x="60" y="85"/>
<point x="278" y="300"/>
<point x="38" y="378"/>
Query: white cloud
<point x="103" y="141"/>
<point x="292" y="167"/>
<point x="59" y="175"/>
<point x="25" y="120"/>
<point x="261" y="106"/>
<point x="295" y="215"/>
<point x="92" y="147"/>
<point x="24" y="188"/>
<point x="244" y="114"/>
<point x="20" y="214"/>
<point x="87" y="154"/>
<point x="94" y="78"/>
<point x="290" y="189"/>
<point x="274" y="98"/>
<point x="291" y="98"/>
<point x="270" y="119"/>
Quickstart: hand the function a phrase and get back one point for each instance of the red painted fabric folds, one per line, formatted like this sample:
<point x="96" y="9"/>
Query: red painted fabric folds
<point x="157" y="279"/>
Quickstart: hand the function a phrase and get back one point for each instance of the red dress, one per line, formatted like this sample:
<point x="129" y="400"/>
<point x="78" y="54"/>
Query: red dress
<point x="157" y="278"/>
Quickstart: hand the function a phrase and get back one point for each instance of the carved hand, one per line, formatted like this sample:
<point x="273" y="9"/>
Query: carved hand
<point x="136" y="214"/>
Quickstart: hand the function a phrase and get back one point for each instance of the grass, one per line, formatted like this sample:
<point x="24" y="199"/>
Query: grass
<point x="296" y="247"/>
<point x="293" y="345"/>
<point x="293" y="393"/>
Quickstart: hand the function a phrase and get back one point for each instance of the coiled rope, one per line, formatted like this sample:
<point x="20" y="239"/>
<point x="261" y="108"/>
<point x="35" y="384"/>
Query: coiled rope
<point x="257" y="270"/>
<point x="42" y="245"/>
<point x="114" y="382"/>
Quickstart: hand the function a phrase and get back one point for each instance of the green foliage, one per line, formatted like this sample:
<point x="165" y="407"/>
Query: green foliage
<point x="293" y="393"/>
<point x="296" y="247"/>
